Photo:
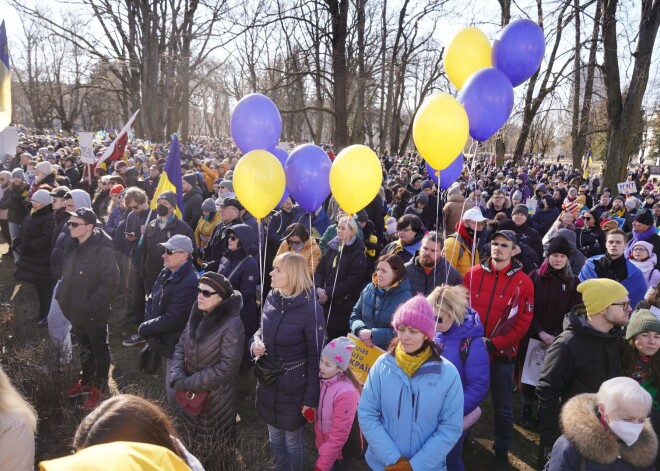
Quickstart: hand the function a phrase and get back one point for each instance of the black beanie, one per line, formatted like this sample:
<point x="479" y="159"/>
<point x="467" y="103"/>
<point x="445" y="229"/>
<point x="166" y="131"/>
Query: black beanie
<point x="559" y="245"/>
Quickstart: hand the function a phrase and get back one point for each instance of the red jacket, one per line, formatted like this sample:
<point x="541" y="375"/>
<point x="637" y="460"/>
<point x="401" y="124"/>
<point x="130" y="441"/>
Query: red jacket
<point x="490" y="293"/>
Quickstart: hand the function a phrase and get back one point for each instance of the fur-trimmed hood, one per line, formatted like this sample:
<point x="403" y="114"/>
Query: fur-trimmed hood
<point x="228" y="308"/>
<point x="586" y="433"/>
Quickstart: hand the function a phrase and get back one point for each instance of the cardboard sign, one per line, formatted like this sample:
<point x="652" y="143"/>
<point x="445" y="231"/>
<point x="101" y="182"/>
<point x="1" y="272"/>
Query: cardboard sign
<point x="8" y="141"/>
<point x="534" y="359"/>
<point x="363" y="358"/>
<point x="626" y="188"/>
<point x="86" y="149"/>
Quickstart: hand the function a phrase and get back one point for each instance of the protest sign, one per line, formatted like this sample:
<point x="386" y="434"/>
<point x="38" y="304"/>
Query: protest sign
<point x="626" y="188"/>
<point x="533" y="362"/>
<point x="362" y="358"/>
<point x="86" y="150"/>
<point x="8" y="141"/>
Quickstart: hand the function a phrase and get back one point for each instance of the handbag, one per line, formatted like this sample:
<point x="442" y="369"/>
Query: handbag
<point x="265" y="372"/>
<point x="354" y="446"/>
<point x="149" y="360"/>
<point x="193" y="402"/>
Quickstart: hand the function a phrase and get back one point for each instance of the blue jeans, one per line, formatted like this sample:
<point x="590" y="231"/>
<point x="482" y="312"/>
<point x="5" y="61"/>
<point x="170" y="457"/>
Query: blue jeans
<point x="454" y="461"/>
<point x="287" y="448"/>
<point x="501" y="392"/>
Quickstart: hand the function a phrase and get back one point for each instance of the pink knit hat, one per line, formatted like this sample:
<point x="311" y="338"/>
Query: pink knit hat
<point x="416" y="313"/>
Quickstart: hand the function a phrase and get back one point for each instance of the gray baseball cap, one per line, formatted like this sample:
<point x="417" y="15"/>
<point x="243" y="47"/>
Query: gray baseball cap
<point x="179" y="243"/>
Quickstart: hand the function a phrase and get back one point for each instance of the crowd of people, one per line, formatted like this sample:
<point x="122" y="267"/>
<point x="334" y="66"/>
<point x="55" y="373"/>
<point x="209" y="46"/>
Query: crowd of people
<point x="452" y="285"/>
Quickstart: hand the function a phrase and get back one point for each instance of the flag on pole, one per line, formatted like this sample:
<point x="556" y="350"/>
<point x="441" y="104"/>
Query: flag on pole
<point x="587" y="162"/>
<point x="116" y="150"/>
<point x="5" y="80"/>
<point x="170" y="179"/>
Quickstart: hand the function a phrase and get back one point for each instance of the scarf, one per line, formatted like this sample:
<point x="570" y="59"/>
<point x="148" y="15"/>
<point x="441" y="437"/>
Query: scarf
<point x="410" y="363"/>
<point x="645" y="266"/>
<point x="616" y="270"/>
<point x="643" y="374"/>
<point x="462" y="231"/>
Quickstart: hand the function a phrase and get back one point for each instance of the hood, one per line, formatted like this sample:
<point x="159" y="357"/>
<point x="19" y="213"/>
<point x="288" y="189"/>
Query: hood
<point x="247" y="237"/>
<point x="357" y="244"/>
<point x="576" y="320"/>
<point x="456" y="198"/>
<point x="471" y="327"/>
<point x="194" y="190"/>
<point x="98" y="239"/>
<point x="491" y="204"/>
<point x="569" y="235"/>
<point x="81" y="199"/>
<point x="523" y="177"/>
<point x="584" y="430"/>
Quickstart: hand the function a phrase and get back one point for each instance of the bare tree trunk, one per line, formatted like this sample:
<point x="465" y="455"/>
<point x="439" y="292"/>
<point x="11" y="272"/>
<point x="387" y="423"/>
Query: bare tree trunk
<point x="358" y="126"/>
<point x="623" y="114"/>
<point x="339" y="19"/>
<point x="577" y="72"/>
<point x="381" y="107"/>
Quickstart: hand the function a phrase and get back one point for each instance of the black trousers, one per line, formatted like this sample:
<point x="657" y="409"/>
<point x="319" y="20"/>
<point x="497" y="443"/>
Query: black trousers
<point x="94" y="353"/>
<point x="138" y="295"/>
<point x="45" y="295"/>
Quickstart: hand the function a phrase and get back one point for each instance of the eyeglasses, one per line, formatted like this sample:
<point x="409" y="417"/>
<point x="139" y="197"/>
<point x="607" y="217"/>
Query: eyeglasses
<point x="500" y="244"/>
<point x="588" y="218"/>
<point x="170" y="251"/>
<point x="233" y="237"/>
<point x="74" y="224"/>
<point x="404" y="230"/>
<point x="206" y="293"/>
<point x="625" y="305"/>
<point x="638" y="249"/>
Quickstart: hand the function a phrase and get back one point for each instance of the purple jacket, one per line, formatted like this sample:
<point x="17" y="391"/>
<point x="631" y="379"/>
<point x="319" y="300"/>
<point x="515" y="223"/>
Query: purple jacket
<point x="474" y="369"/>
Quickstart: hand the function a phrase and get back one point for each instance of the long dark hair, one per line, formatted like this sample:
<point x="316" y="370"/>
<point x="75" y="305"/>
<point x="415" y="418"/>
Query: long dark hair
<point x="630" y="354"/>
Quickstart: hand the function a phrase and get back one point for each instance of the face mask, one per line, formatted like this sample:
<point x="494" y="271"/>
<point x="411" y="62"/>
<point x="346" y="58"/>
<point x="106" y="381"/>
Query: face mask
<point x="297" y="247"/>
<point x="626" y="431"/>
<point x="162" y="210"/>
<point x="418" y="210"/>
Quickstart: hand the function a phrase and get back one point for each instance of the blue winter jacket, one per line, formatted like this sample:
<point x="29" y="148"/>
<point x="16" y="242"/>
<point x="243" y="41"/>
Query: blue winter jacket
<point x="473" y="368"/>
<point x="635" y="283"/>
<point x="375" y="309"/>
<point x="418" y="418"/>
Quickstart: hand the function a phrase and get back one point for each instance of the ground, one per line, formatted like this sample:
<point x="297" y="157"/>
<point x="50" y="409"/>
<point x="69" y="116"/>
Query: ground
<point x="30" y="361"/>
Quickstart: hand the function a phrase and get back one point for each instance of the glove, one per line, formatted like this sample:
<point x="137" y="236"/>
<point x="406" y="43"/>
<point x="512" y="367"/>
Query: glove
<point x="401" y="465"/>
<point x="309" y="414"/>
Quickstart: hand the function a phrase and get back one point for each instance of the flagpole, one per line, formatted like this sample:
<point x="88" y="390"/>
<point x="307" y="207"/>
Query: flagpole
<point x="145" y="230"/>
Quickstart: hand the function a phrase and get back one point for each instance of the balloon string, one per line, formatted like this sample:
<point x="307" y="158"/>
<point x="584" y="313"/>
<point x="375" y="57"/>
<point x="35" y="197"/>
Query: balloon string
<point x="262" y="272"/>
<point x="334" y="284"/>
<point x="316" y="304"/>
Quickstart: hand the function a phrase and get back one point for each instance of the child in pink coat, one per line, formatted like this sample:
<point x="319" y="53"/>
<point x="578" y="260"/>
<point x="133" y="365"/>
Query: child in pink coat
<point x="340" y="392"/>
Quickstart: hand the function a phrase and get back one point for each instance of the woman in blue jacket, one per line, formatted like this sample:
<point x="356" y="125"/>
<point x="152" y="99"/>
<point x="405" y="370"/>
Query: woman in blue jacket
<point x="459" y="333"/>
<point x="372" y="315"/>
<point x="411" y="409"/>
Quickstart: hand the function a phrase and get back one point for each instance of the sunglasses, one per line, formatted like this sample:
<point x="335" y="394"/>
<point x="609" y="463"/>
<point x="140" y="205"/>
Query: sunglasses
<point x="170" y="251"/>
<point x="233" y="237"/>
<point x="588" y="218"/>
<point x="74" y="224"/>
<point x="206" y="293"/>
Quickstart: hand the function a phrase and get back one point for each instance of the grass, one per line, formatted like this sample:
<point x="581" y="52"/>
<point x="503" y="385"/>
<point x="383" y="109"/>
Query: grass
<point x="30" y="360"/>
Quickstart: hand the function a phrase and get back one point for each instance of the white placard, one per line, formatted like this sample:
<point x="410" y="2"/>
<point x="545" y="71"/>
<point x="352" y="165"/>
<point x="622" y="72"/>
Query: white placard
<point x="8" y="141"/>
<point x="86" y="147"/>
<point x="531" y="372"/>
<point x="532" y="203"/>
<point x="626" y="188"/>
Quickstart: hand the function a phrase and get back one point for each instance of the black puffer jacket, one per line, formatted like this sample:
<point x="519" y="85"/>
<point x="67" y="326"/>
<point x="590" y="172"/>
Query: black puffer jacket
<point x="90" y="280"/>
<point x="15" y="201"/>
<point x="590" y="241"/>
<point x="35" y="245"/>
<point x="207" y="358"/>
<point x="192" y="206"/>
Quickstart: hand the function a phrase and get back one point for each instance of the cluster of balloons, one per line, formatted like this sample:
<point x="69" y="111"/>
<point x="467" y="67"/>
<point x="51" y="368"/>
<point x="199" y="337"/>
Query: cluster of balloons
<point x="267" y="174"/>
<point x="485" y="77"/>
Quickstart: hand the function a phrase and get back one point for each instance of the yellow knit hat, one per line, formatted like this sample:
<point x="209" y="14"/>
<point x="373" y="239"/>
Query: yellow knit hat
<point x="599" y="293"/>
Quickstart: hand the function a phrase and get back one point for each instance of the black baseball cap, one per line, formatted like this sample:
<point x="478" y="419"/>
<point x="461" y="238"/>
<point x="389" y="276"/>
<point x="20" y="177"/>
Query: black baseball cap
<point x="86" y="214"/>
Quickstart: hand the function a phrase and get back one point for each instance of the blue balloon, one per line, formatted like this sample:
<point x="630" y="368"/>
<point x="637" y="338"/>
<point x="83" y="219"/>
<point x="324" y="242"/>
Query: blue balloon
<point x="487" y="97"/>
<point x="449" y="175"/>
<point x="281" y="155"/>
<point x="255" y="123"/>
<point x="518" y="50"/>
<point x="308" y="176"/>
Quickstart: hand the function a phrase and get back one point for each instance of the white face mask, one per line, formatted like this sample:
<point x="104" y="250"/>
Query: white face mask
<point x="626" y="431"/>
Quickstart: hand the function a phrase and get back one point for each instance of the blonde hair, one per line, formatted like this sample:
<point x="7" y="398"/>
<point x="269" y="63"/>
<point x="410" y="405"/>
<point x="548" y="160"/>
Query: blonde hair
<point x="352" y="225"/>
<point x="295" y="266"/>
<point x="11" y="401"/>
<point x="452" y="300"/>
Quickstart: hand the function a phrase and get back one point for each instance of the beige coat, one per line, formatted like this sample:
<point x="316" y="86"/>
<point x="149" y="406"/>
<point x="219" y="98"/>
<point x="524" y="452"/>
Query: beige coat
<point x="16" y="444"/>
<point x="453" y="211"/>
<point x="311" y="251"/>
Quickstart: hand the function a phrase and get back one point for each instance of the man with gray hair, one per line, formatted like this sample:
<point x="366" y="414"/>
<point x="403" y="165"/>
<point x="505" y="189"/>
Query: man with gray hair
<point x="428" y="268"/>
<point x="168" y="307"/>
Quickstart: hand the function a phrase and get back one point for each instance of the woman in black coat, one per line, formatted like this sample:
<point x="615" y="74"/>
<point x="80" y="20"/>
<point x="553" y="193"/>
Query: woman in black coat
<point x="15" y="200"/>
<point x="34" y="246"/>
<point x="339" y="276"/>
<point x="207" y="359"/>
<point x="590" y="238"/>
<point x="242" y="271"/>
<point x="290" y="340"/>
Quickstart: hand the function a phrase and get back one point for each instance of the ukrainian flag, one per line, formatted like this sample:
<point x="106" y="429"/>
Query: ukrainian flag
<point x="585" y="174"/>
<point x="170" y="179"/>
<point x="5" y="80"/>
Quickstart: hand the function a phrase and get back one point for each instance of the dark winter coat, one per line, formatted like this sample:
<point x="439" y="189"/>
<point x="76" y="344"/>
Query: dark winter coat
<point x="543" y="219"/>
<point x="282" y="219"/>
<point x="375" y="309"/>
<point x="341" y="275"/>
<point x="217" y="245"/>
<point x="531" y="238"/>
<point x="244" y="278"/>
<point x="15" y="200"/>
<point x="149" y="186"/>
<point x="586" y="439"/>
<point x="90" y="280"/>
<point x="578" y="361"/>
<point x="131" y="177"/>
<point x="133" y="248"/>
<point x="292" y="330"/>
<point x="152" y="255"/>
<point x="73" y="175"/>
<point x="590" y="241"/>
<point x="35" y="245"/>
<point x="192" y="206"/>
<point x="207" y="358"/>
<point x="442" y="273"/>
<point x="168" y="308"/>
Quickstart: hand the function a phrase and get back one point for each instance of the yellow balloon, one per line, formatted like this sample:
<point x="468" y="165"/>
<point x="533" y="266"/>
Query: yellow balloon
<point x="440" y="130"/>
<point x="259" y="182"/>
<point x="355" y="177"/>
<point x="468" y="52"/>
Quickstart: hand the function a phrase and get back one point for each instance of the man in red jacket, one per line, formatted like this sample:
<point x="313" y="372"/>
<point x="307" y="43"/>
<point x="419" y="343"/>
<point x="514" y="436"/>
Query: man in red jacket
<point x="503" y="295"/>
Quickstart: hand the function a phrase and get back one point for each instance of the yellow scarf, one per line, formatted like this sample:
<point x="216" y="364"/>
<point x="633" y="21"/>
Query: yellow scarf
<point x="410" y="363"/>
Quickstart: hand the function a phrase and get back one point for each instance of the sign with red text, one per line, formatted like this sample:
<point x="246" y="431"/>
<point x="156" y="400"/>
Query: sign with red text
<point x="363" y="358"/>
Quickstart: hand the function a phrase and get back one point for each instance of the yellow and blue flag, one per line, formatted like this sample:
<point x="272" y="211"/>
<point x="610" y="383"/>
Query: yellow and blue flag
<point x="587" y="162"/>
<point x="5" y="80"/>
<point x="170" y="179"/>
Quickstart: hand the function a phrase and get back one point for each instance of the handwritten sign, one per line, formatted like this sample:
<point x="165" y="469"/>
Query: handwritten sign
<point x="363" y="358"/>
<point x="86" y="150"/>
<point x="626" y="188"/>
<point x="533" y="362"/>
